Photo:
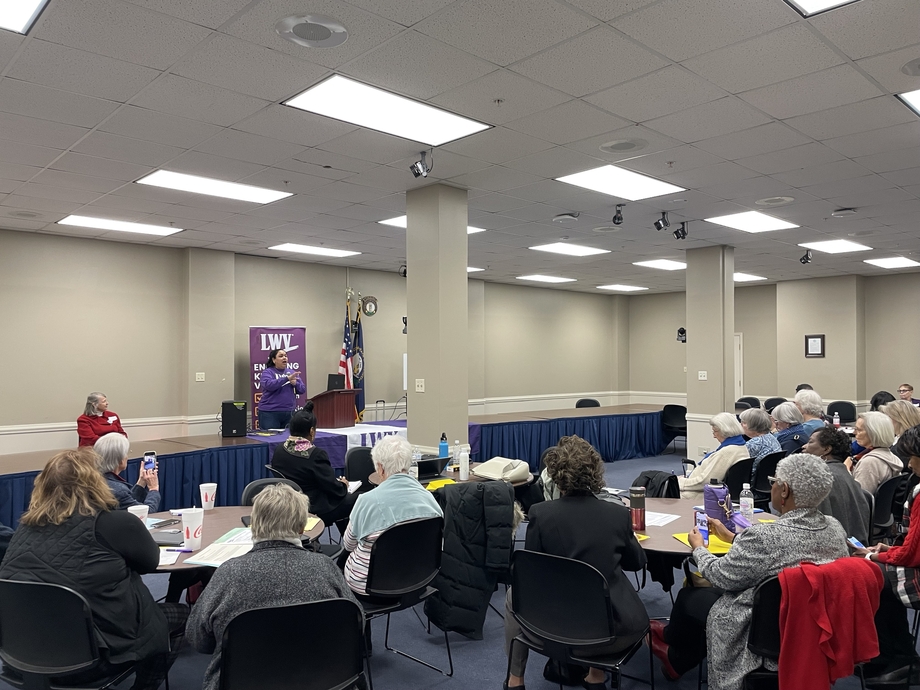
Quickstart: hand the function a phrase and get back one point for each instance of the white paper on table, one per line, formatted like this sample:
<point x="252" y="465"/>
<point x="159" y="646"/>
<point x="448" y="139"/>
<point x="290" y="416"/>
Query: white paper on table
<point x="168" y="557"/>
<point x="244" y="536"/>
<point x="653" y="519"/>
<point x="353" y="486"/>
<point x="217" y="554"/>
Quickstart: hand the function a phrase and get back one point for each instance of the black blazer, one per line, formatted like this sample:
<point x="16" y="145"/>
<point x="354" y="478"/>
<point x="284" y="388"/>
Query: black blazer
<point x="315" y="476"/>
<point x="600" y="534"/>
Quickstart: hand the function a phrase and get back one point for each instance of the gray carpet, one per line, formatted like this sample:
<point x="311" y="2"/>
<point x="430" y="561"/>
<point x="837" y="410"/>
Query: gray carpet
<point x="479" y="664"/>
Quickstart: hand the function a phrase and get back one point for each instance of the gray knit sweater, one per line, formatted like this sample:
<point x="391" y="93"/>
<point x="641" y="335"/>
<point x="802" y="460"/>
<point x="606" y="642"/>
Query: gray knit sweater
<point x="274" y="573"/>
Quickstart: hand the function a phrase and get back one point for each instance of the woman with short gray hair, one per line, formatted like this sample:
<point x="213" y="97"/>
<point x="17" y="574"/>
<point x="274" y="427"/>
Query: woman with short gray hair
<point x="761" y="443"/>
<point x="790" y="427"/>
<point x="877" y="464"/>
<point x="714" y="465"/>
<point x="811" y="406"/>
<point x="277" y="572"/>
<point x="112" y="460"/>
<point x="96" y="420"/>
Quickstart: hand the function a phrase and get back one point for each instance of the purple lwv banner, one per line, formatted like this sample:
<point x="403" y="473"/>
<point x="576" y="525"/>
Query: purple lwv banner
<point x="263" y="340"/>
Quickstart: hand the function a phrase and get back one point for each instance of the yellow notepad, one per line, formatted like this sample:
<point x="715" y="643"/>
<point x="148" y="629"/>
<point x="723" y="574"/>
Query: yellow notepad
<point x="716" y="545"/>
<point x="438" y="483"/>
<point x="311" y="523"/>
<point x="641" y="537"/>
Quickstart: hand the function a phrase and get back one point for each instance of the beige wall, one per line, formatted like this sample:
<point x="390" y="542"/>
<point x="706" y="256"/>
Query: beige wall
<point x="656" y="359"/>
<point x="892" y="333"/>
<point x="755" y="319"/>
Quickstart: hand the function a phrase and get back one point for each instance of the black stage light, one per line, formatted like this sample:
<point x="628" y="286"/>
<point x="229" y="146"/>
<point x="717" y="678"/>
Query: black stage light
<point x="618" y="216"/>
<point x="662" y="222"/>
<point x="806" y="257"/>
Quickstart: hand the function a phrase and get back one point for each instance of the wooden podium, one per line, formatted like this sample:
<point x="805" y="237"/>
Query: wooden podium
<point x="334" y="409"/>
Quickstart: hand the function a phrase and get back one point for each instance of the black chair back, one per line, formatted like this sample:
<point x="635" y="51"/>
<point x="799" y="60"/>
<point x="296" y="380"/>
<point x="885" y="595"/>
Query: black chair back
<point x="253" y="489"/>
<point x="314" y="646"/>
<point x="674" y="418"/>
<point x="45" y="629"/>
<point x="741" y="406"/>
<point x="770" y="403"/>
<point x="275" y="473"/>
<point x="587" y="402"/>
<point x="543" y="459"/>
<point x="750" y="400"/>
<point x="766" y="468"/>
<point x="560" y="599"/>
<point x="845" y="409"/>
<point x="870" y="502"/>
<point x="738" y="474"/>
<point x="763" y="637"/>
<point x="359" y="467"/>
<point x="405" y="557"/>
<point x="883" y="516"/>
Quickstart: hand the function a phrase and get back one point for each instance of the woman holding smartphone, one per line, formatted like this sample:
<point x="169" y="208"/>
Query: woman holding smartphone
<point x="112" y="453"/>
<point x="280" y="386"/>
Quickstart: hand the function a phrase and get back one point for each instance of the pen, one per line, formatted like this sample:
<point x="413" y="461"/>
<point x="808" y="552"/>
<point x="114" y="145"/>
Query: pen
<point x="180" y="550"/>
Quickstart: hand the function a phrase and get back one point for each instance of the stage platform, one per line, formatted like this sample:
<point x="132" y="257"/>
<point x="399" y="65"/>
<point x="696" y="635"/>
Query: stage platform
<point x="618" y="432"/>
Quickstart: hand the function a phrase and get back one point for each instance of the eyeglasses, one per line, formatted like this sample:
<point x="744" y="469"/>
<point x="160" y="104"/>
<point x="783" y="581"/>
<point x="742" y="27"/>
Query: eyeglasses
<point x="773" y="480"/>
<point x="905" y="390"/>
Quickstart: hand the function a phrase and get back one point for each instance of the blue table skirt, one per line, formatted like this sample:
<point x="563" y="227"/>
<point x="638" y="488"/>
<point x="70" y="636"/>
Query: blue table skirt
<point x="616" y="437"/>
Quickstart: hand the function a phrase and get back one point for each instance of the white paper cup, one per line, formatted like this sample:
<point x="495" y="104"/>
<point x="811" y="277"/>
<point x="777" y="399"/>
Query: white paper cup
<point x="191" y="527"/>
<point x="141" y="512"/>
<point x="208" y="494"/>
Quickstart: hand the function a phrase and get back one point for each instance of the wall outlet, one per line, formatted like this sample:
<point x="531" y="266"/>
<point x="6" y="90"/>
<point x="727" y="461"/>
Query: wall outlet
<point x="199" y="376"/>
<point x="419" y="385"/>
<point x="702" y="375"/>
<point x="701" y="450"/>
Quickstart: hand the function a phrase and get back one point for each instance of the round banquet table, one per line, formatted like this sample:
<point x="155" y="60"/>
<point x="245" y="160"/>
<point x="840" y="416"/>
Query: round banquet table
<point x="660" y="539"/>
<point x="450" y="473"/>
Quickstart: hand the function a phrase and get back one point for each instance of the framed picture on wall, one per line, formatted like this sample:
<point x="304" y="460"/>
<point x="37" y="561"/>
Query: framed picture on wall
<point x="814" y="345"/>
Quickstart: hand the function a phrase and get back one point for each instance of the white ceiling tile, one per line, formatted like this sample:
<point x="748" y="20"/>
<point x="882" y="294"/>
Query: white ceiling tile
<point x="297" y="207"/>
<point x="418" y="66"/>
<point x="886" y="69"/>
<point x="679" y="159"/>
<point x="210" y="13"/>
<point x="341" y="190"/>
<point x="819" y="174"/>
<point x="99" y="167"/>
<point x="148" y="125"/>
<point x="293" y="125"/>
<point x="708" y="120"/>
<point x="790" y="159"/>
<point x="606" y="10"/>
<point x="325" y="164"/>
<point x="767" y="138"/>
<point x="760" y="187"/>
<point x="9" y="44"/>
<point x="505" y="32"/>
<point x="365" y="30"/>
<point x="878" y="140"/>
<point x="284" y="180"/>
<point x="667" y="91"/>
<point x="67" y="180"/>
<point x="197" y="101"/>
<point x="871" y="27"/>
<point x="7" y="186"/>
<point x="518" y="97"/>
<point x="498" y="203"/>
<point x="20" y="224"/>
<point x="210" y="165"/>
<point x="385" y="178"/>
<point x="17" y="171"/>
<point x="23" y="98"/>
<point x="709" y="175"/>
<point x="125" y="149"/>
<point x="498" y="145"/>
<point x="247" y="147"/>
<point x="862" y="116"/>
<point x="444" y="164"/>
<point x="891" y="160"/>
<point x="405" y="12"/>
<point x="813" y="92"/>
<point x="78" y="71"/>
<point x="854" y="185"/>
<point x="568" y="122"/>
<point x="121" y="31"/>
<point x="563" y="66"/>
<point x="555" y="162"/>
<point x="788" y="52"/>
<point x="43" y="191"/>
<point x="652" y="141"/>
<point x="26" y="130"/>
<point x="682" y="29"/>
<point x="882" y="196"/>
<point x="902" y="178"/>
<point x="368" y="145"/>
<point x="248" y="68"/>
<point x="123" y="207"/>
<point x="34" y="203"/>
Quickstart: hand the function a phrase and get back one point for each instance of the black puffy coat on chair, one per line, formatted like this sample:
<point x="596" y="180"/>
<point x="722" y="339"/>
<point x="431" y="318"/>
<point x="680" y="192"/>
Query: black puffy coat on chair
<point x="478" y="540"/>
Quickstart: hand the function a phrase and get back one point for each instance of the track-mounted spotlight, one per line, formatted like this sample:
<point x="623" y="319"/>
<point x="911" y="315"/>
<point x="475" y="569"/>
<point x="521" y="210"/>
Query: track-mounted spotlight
<point x="681" y="232"/>
<point x="618" y="216"/>
<point x="806" y="257"/>
<point x="662" y="222"/>
<point x="420" y="168"/>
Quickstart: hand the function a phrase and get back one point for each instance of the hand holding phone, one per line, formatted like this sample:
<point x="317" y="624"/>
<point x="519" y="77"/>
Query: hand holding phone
<point x="701" y="522"/>
<point x="150" y="460"/>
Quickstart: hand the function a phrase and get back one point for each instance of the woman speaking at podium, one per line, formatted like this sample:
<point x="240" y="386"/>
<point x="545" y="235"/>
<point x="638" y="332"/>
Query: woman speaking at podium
<point x="280" y="387"/>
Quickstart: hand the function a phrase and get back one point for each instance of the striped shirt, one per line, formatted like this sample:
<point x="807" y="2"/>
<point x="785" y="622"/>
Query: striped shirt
<point x="359" y="559"/>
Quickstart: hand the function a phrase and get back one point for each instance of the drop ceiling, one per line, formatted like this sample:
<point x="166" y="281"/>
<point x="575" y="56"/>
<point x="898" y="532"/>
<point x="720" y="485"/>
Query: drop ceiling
<point x="735" y="101"/>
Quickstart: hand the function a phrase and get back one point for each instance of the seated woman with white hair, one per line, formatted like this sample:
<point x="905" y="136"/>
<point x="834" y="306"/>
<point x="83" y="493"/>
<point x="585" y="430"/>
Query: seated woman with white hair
<point x="903" y="416"/>
<point x="398" y="498"/>
<point x="728" y="432"/>
<point x="277" y="572"/>
<point x="112" y="452"/>
<point x="790" y="427"/>
<point x="812" y="408"/>
<point x="877" y="464"/>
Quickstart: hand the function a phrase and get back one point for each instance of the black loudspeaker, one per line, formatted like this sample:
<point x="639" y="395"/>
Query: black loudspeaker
<point x="233" y="418"/>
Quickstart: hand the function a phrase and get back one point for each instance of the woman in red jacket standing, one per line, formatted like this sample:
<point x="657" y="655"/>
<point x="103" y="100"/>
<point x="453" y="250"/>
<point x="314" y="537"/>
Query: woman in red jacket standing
<point x="96" y="420"/>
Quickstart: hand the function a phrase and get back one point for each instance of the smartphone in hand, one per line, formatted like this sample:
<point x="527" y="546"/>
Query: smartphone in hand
<point x="855" y="543"/>
<point x="701" y="520"/>
<point x="150" y="459"/>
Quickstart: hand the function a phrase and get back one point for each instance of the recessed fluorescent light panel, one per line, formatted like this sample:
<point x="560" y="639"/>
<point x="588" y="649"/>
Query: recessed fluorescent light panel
<point x="621" y="288"/>
<point x="809" y="8"/>
<point x="663" y="264"/>
<point x="118" y="225"/>
<point x="747" y="278"/>
<point x="470" y="269"/>
<point x="20" y="15"/>
<point x="751" y="221"/>
<point x="211" y="187"/>
<point x="836" y="246"/>
<point x="619" y="182"/>
<point x="569" y="249"/>
<point x="546" y="279"/>
<point x="401" y="222"/>
<point x="318" y="251"/>
<point x="894" y="262"/>
<point x="367" y="106"/>
<point x="911" y="99"/>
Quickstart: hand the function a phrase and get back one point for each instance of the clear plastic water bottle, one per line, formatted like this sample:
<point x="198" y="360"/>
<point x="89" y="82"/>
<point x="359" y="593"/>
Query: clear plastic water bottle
<point x="455" y="456"/>
<point x="746" y="499"/>
<point x="413" y="467"/>
<point x="836" y="420"/>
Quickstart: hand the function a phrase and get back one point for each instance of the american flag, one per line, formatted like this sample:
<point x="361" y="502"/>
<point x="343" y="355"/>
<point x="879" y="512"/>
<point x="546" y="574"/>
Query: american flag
<point x="345" y="360"/>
